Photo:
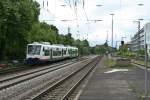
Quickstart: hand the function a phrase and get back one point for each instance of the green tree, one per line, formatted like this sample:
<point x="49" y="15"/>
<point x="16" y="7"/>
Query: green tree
<point x="19" y="25"/>
<point x="141" y="52"/>
<point x="16" y="19"/>
<point x="69" y="39"/>
<point x="43" y="32"/>
<point x="83" y="47"/>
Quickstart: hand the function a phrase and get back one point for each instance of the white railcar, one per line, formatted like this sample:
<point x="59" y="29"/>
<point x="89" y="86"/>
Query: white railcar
<point x="43" y="52"/>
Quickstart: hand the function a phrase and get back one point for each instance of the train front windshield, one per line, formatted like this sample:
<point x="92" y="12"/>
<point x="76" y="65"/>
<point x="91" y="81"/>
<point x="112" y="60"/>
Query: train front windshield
<point x="34" y="49"/>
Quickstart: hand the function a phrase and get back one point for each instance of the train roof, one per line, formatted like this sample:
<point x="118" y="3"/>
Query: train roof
<point x="52" y="45"/>
<point x="40" y="43"/>
<point x="70" y="47"/>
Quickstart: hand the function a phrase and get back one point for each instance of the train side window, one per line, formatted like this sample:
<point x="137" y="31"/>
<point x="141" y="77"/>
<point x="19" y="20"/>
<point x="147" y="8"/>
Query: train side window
<point x="70" y="51"/>
<point x="64" y="51"/>
<point x="56" y="53"/>
<point x="46" y="52"/>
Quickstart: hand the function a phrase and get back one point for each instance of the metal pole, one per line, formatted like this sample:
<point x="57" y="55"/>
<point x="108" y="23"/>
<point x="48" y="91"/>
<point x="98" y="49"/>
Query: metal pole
<point x="112" y="29"/>
<point x="146" y="77"/>
<point x="112" y="25"/>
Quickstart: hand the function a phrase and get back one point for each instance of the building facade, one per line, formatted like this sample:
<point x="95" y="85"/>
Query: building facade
<point x="137" y="41"/>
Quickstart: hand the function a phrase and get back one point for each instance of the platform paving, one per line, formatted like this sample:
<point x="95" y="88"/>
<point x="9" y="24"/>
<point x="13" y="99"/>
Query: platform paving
<point x="108" y="84"/>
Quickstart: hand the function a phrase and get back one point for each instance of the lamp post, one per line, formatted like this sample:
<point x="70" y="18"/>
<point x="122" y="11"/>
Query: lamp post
<point x="146" y="69"/>
<point x="112" y="29"/>
<point x="146" y="58"/>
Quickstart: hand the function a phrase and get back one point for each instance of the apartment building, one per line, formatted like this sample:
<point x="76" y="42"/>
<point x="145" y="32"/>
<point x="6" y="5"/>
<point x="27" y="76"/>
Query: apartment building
<point x="137" y="41"/>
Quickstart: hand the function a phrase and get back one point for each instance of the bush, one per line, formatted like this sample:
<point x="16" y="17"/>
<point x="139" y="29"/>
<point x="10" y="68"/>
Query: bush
<point x="123" y="62"/>
<point x="126" y="54"/>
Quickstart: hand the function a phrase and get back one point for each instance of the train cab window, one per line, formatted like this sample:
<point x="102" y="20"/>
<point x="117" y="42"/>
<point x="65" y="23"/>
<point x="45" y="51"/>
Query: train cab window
<point x="34" y="49"/>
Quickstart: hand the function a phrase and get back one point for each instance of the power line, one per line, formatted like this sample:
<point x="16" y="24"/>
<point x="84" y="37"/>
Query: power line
<point x="85" y="11"/>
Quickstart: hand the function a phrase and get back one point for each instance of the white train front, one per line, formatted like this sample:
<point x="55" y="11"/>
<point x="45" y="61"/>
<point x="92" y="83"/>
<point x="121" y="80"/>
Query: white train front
<point x="44" y="52"/>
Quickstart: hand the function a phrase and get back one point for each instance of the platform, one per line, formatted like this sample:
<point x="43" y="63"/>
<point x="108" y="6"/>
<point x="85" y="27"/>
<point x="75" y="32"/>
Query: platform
<point x="107" y="84"/>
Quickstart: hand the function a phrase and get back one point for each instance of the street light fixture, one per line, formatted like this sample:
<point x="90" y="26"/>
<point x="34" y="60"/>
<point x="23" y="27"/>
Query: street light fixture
<point x="140" y="4"/>
<point x="63" y="5"/>
<point x="98" y="20"/>
<point x="141" y="19"/>
<point x="99" y="5"/>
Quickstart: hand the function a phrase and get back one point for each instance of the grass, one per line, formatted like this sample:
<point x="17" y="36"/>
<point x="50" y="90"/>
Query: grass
<point x="141" y="62"/>
<point x="110" y="63"/>
<point x="115" y="64"/>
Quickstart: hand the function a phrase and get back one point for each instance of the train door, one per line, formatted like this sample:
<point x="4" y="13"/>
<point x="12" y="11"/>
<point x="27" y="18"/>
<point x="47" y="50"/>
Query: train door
<point x="51" y="53"/>
<point x="62" y="52"/>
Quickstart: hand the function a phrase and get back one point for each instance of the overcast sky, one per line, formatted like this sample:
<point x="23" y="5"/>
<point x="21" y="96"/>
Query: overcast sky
<point x="126" y="12"/>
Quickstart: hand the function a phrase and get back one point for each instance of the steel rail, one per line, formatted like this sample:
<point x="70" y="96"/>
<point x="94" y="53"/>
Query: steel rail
<point x="25" y="67"/>
<point x="66" y="96"/>
<point x="20" y="81"/>
<point x="44" y="92"/>
<point x="28" y="73"/>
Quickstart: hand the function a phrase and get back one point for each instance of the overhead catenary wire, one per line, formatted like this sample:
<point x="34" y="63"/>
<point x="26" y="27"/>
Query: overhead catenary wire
<point x="83" y="7"/>
<point x="46" y="8"/>
<point x="76" y="13"/>
<point x="70" y="4"/>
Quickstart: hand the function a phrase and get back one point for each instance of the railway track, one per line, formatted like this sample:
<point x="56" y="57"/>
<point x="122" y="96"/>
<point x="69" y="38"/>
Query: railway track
<point x="62" y="89"/>
<point x="25" y="67"/>
<point x="8" y="82"/>
<point x="10" y="76"/>
<point x="13" y="87"/>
